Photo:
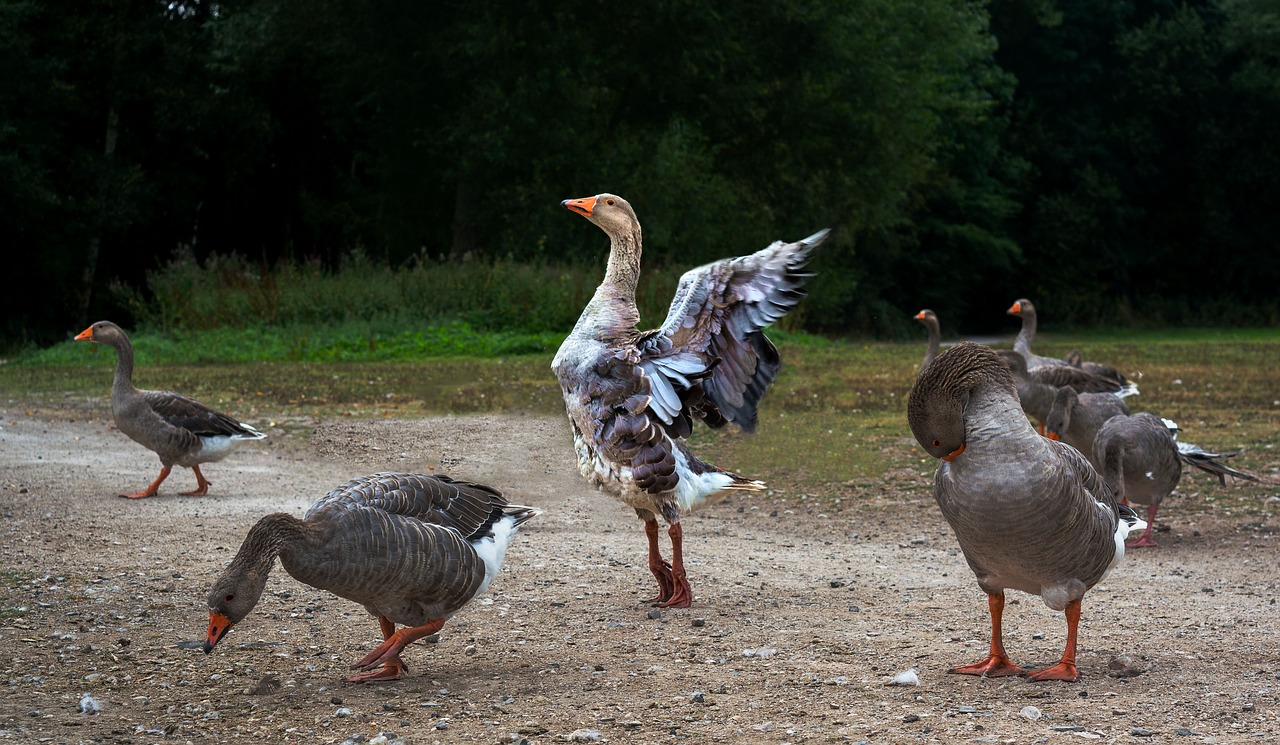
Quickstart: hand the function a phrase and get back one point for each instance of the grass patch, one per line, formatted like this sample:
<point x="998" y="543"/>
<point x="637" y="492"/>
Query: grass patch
<point x="834" y="423"/>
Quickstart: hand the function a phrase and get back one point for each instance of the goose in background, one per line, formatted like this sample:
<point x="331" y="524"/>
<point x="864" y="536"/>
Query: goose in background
<point x="181" y="430"/>
<point x="412" y="549"/>
<point x="631" y="395"/>
<point x="1075" y="418"/>
<point x="1138" y="458"/>
<point x="1024" y="309"/>
<point x="1029" y="513"/>
<point x="929" y="320"/>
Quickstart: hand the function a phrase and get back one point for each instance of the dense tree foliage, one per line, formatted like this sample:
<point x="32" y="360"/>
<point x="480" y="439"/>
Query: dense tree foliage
<point x="1115" y="161"/>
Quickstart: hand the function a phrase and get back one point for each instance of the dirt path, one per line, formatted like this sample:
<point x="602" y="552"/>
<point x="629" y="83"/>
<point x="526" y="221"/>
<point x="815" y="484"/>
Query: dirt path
<point x="803" y="609"/>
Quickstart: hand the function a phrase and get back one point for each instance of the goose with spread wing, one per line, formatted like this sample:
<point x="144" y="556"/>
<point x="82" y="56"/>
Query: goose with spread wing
<point x="179" y="429"/>
<point x="632" y="396"/>
<point x="412" y="549"/>
<point x="1029" y="513"/>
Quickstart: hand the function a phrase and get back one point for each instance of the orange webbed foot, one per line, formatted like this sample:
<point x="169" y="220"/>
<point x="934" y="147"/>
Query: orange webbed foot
<point x="995" y="666"/>
<point x="1065" y="671"/>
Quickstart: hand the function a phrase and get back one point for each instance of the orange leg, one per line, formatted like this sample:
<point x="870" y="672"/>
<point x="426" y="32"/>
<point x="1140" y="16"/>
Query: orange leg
<point x="659" y="566"/>
<point x="682" y="597"/>
<point x="387" y="654"/>
<point x="202" y="486"/>
<point x="997" y="663"/>
<point x="150" y="491"/>
<point x="1146" y="539"/>
<point x="1066" y="668"/>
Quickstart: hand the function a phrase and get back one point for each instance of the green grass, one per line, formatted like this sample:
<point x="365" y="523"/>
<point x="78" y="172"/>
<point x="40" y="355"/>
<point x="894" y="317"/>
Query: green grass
<point x="834" y="423"/>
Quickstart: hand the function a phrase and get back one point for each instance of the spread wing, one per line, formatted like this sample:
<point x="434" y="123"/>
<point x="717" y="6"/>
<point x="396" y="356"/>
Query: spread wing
<point x="712" y="333"/>
<point x="189" y="414"/>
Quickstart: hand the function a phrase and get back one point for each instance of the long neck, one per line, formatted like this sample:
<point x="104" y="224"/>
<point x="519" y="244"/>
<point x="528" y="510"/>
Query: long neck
<point x="935" y="337"/>
<point x="267" y="538"/>
<point x="1000" y="421"/>
<point x="124" y="365"/>
<point x="1028" y="332"/>
<point x="613" y="307"/>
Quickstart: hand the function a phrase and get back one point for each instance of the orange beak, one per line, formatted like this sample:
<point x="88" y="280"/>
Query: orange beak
<point x="1014" y="309"/>
<point x="86" y="335"/>
<point x="954" y="454"/>
<point x="1051" y="435"/>
<point x="219" y="625"/>
<point x="919" y="316"/>
<point x="583" y="206"/>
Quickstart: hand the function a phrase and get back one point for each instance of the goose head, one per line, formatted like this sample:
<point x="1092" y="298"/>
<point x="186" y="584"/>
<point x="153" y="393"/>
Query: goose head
<point x="1021" y="307"/>
<point x="104" y="332"/>
<point x="610" y="212"/>
<point x="940" y="396"/>
<point x="230" y="600"/>
<point x="926" y="316"/>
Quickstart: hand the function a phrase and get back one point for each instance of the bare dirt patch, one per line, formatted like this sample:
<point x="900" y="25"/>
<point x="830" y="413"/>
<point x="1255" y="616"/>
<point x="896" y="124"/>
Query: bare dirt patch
<point x="804" y="608"/>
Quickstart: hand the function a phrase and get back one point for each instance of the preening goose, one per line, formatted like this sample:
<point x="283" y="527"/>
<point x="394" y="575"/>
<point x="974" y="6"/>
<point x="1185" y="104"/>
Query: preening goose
<point x="181" y="430"/>
<point x="1029" y="513"/>
<point x="631" y="395"/>
<point x="1024" y="309"/>
<point x="1137" y="456"/>
<point x="929" y="320"/>
<point x="412" y="549"/>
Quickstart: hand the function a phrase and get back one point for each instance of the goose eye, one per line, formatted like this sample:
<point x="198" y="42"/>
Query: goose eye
<point x="229" y="598"/>
<point x="936" y="443"/>
<point x="608" y="202"/>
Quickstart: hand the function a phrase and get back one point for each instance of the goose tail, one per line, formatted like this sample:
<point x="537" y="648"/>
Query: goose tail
<point x="1194" y="455"/>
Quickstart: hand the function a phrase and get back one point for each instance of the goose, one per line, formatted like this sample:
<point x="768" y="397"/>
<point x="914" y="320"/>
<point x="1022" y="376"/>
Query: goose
<point x="412" y="549"/>
<point x="179" y="429"/>
<point x="1029" y="513"/>
<point x="631" y="396"/>
<point x="929" y="320"/>
<point x="1075" y="418"/>
<point x="1024" y="309"/>
<point x="1137" y="456"/>
<point x="1037" y="387"/>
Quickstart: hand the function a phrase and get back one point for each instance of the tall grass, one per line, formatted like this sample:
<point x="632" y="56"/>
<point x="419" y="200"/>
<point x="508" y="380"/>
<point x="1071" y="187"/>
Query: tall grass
<point x="503" y="294"/>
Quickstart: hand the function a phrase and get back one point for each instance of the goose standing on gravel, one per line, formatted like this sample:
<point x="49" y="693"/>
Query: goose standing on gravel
<point x="1029" y="513"/>
<point x="632" y="396"/>
<point x="1137" y="456"/>
<point x="181" y="430"/>
<point x="929" y="320"/>
<point x="412" y="549"/>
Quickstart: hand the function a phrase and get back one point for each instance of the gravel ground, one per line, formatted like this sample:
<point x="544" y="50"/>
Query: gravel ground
<point x="804" y="610"/>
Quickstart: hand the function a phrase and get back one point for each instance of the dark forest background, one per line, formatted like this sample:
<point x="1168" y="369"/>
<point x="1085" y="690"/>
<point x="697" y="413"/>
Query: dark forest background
<point x="1117" y="161"/>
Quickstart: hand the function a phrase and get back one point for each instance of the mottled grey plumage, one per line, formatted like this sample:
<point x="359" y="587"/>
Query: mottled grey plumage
<point x="1075" y="418"/>
<point x="632" y="395"/>
<point x="1029" y="513"/>
<point x="179" y="429"/>
<point x="929" y="320"/>
<point x="412" y="549"/>
<point x="1137" y="456"/>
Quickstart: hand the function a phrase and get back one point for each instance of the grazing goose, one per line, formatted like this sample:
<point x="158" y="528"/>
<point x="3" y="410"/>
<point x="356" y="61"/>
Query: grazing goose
<point x="1024" y="309"/>
<point x="632" y="396"/>
<point x="412" y="549"/>
<point x="1029" y="513"/>
<point x="1041" y="384"/>
<point x="1075" y="418"/>
<point x="181" y="430"/>
<point x="929" y="320"/>
<point x="1137" y="456"/>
